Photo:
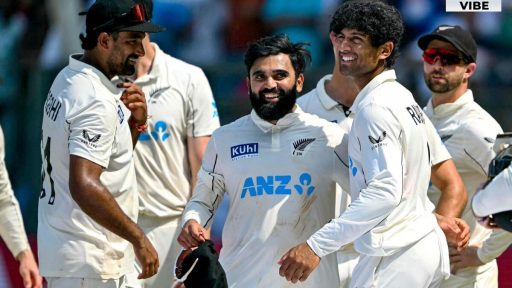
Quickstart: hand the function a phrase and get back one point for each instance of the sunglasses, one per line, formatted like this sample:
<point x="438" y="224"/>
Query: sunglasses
<point x="136" y="15"/>
<point x="446" y="57"/>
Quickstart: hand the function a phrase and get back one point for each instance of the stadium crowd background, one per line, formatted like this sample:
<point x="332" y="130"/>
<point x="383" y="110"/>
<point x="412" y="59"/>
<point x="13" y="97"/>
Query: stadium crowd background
<point x="36" y="37"/>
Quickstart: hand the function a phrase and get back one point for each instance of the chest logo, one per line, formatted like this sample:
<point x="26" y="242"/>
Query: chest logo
<point x="244" y="151"/>
<point x="300" y="146"/>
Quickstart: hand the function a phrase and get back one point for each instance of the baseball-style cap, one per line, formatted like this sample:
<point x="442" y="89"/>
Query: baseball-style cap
<point x="200" y="268"/>
<point x="456" y="35"/>
<point x="118" y="15"/>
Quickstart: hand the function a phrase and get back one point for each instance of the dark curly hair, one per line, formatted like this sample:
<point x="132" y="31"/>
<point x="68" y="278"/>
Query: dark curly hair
<point x="380" y="21"/>
<point x="275" y="44"/>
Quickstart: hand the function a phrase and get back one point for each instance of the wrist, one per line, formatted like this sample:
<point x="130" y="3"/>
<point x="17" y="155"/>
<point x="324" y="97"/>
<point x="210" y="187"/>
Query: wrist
<point x="141" y="127"/>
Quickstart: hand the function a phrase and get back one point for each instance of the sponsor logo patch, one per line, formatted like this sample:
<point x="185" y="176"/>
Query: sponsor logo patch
<point x="247" y="150"/>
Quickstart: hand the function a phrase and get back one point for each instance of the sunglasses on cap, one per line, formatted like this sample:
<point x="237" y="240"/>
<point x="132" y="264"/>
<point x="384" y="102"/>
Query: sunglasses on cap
<point x="136" y="15"/>
<point x="446" y="57"/>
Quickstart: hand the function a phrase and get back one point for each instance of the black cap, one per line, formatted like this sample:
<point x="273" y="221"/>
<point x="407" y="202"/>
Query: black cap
<point x="118" y="15"/>
<point x="456" y="35"/>
<point x="206" y="271"/>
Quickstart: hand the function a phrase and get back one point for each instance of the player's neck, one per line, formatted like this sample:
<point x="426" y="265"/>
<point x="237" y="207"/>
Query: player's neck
<point x="341" y="89"/>
<point x="448" y="97"/>
<point x="145" y="63"/>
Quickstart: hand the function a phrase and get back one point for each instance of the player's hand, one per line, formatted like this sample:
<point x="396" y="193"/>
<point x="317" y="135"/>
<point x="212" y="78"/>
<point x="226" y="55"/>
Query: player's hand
<point x="135" y="100"/>
<point x="456" y="231"/>
<point x="298" y="263"/>
<point x="28" y="270"/>
<point x="467" y="257"/>
<point x="192" y="235"/>
<point x="147" y="257"/>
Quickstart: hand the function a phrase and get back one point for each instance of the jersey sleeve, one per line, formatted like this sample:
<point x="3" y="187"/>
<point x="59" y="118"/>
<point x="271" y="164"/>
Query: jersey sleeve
<point x="438" y="152"/>
<point x="493" y="246"/>
<point x="92" y="130"/>
<point x="478" y="145"/>
<point x="340" y="164"/>
<point x="383" y="173"/>
<point x="495" y="197"/>
<point x="11" y="222"/>
<point x="203" y="116"/>
<point x="209" y="190"/>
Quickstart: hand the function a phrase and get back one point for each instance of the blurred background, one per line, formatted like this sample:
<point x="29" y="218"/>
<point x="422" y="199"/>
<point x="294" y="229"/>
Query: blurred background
<point x="38" y="35"/>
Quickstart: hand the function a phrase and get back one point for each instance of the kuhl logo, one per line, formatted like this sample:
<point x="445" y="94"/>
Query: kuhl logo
<point x="300" y="145"/>
<point x="244" y="151"/>
<point x="378" y="140"/>
<point x="277" y="185"/>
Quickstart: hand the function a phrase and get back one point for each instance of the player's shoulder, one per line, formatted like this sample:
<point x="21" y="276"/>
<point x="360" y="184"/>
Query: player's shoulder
<point x="179" y="67"/>
<point x="237" y="126"/>
<point x="322" y="126"/>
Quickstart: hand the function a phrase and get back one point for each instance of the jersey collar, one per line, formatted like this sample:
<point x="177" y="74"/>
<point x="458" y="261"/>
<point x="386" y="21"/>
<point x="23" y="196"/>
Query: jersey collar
<point x="447" y="109"/>
<point x="85" y="68"/>
<point x="325" y="99"/>
<point x="385" y="76"/>
<point x="287" y="121"/>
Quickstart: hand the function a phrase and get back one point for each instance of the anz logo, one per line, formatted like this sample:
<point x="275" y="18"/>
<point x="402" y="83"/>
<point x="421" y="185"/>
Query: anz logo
<point x="352" y="167"/>
<point x="278" y="185"/>
<point x="160" y="132"/>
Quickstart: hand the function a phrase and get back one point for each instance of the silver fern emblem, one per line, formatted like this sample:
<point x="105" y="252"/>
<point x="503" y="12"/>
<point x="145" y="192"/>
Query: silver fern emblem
<point x="301" y="144"/>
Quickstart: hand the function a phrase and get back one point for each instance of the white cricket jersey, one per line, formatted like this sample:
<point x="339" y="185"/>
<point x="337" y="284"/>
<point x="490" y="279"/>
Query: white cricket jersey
<point x="12" y="229"/>
<point x="495" y="197"/>
<point x="389" y="174"/>
<point x="83" y="116"/>
<point x="181" y="105"/>
<point x="468" y="133"/>
<point x="280" y="180"/>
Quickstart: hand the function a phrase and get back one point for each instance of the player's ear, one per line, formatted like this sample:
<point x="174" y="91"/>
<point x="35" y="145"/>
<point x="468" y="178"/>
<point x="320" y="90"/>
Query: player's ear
<point x="299" y="82"/>
<point x="103" y="40"/>
<point x="386" y="49"/>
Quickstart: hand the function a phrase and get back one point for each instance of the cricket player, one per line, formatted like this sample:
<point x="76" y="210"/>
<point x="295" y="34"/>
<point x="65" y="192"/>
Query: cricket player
<point x="12" y="229"/>
<point x="169" y="153"/>
<point x="495" y="197"/>
<point x="390" y="218"/>
<point x="468" y="131"/>
<point x="331" y="100"/>
<point x="279" y="167"/>
<point x="88" y="203"/>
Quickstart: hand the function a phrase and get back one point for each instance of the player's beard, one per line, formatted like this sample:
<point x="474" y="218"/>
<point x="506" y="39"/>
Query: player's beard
<point x="449" y="83"/>
<point x="270" y="111"/>
<point x="125" y="68"/>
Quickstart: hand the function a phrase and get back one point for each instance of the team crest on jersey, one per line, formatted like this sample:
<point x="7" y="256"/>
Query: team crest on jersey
<point x="379" y="141"/>
<point x="90" y="139"/>
<point x="247" y="150"/>
<point x="299" y="146"/>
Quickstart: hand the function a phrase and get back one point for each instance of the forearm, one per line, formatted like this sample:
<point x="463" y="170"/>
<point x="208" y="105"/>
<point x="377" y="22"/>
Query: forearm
<point x="494" y="246"/>
<point x="451" y="204"/>
<point x="12" y="230"/>
<point x="96" y="201"/>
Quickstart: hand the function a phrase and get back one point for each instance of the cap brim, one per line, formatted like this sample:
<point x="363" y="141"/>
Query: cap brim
<point x="147" y="27"/>
<point x="425" y="39"/>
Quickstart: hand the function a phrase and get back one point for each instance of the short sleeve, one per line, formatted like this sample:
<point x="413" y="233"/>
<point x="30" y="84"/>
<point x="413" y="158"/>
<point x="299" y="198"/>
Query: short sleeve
<point x="92" y="130"/>
<point x="203" y="116"/>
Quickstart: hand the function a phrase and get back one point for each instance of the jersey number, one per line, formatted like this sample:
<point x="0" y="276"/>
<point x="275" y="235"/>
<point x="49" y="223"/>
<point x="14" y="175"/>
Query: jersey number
<point x="49" y="172"/>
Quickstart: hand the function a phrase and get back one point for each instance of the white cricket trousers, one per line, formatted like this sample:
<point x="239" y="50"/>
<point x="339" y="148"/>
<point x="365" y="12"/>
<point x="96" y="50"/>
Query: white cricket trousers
<point x="69" y="282"/>
<point x="422" y="264"/>
<point x="163" y="233"/>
